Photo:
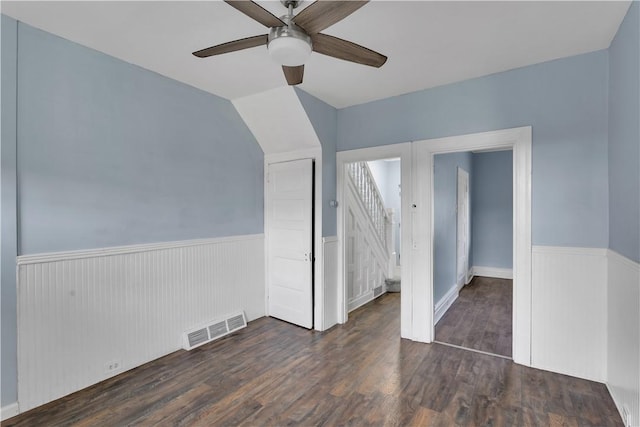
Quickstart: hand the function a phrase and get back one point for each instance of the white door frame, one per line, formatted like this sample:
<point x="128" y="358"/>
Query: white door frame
<point x="318" y="297"/>
<point x="518" y="140"/>
<point x="403" y="151"/>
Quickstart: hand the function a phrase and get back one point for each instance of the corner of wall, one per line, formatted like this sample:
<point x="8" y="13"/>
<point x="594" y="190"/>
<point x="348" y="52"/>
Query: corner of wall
<point x="8" y="205"/>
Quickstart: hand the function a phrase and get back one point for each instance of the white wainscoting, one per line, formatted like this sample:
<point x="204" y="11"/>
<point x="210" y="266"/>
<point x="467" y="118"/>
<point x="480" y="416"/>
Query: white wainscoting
<point x="78" y="311"/>
<point x="569" y="311"/>
<point x="330" y="268"/>
<point x="623" y="333"/>
<point x="497" y="273"/>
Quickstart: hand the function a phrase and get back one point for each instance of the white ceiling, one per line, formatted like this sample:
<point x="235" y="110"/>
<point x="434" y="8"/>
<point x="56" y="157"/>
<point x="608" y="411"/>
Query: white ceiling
<point x="428" y="43"/>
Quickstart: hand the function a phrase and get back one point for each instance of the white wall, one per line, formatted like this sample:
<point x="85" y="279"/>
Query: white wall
<point x="330" y="271"/>
<point x="623" y="333"/>
<point x="569" y="311"/>
<point x="386" y="174"/>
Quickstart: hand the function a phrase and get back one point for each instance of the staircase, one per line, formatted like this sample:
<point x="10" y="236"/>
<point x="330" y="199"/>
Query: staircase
<point x="393" y="285"/>
<point x="368" y="242"/>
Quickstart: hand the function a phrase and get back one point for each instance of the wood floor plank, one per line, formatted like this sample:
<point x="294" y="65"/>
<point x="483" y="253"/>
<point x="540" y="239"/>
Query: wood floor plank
<point x="360" y="373"/>
<point x="481" y="317"/>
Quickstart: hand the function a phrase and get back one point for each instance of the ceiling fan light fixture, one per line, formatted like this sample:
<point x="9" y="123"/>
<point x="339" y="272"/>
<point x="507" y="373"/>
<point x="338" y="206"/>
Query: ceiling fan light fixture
<point x="289" y="46"/>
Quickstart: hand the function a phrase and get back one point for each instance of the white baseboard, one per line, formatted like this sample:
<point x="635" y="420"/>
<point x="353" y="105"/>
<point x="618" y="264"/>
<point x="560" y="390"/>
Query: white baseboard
<point x="361" y="300"/>
<point x="496" y="273"/>
<point x="9" y="411"/>
<point x="445" y="303"/>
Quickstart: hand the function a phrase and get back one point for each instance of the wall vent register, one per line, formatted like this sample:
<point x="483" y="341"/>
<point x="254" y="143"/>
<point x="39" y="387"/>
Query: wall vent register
<point x="211" y="331"/>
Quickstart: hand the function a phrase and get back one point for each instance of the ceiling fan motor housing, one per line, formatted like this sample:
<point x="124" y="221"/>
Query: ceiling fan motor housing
<point x="292" y="3"/>
<point x="289" y="45"/>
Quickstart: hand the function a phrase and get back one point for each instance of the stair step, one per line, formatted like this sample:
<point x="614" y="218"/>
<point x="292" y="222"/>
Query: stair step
<point x="393" y="285"/>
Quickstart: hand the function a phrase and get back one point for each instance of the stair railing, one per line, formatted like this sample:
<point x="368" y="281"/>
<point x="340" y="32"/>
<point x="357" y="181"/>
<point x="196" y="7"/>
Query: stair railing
<point x="371" y="198"/>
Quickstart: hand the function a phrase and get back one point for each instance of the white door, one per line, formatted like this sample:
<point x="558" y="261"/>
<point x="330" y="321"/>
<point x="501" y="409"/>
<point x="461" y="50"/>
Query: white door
<point x="463" y="227"/>
<point x="290" y="253"/>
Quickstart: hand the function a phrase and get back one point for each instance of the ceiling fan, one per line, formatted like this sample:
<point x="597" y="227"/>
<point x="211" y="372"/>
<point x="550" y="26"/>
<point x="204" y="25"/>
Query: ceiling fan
<point x="292" y="38"/>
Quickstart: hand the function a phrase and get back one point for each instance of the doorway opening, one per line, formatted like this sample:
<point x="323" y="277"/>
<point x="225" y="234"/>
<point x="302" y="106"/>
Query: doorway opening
<point x="423" y="303"/>
<point x="290" y="241"/>
<point x="372" y="205"/>
<point x="372" y="262"/>
<point x="473" y="250"/>
<point x="416" y="299"/>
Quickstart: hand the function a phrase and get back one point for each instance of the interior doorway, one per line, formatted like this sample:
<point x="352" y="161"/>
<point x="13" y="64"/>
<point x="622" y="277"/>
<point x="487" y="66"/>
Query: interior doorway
<point x="290" y="250"/>
<point x="518" y="140"/>
<point x="417" y="300"/>
<point x="372" y="204"/>
<point x="473" y="250"/>
<point x="353" y="248"/>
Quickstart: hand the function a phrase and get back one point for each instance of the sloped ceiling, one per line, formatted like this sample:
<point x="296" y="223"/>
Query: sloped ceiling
<point x="277" y="120"/>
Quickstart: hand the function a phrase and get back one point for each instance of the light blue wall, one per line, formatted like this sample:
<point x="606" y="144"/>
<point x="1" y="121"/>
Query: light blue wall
<point x="492" y="209"/>
<point x="445" y="220"/>
<point x="9" y="248"/>
<point x="323" y="117"/>
<point x="110" y="154"/>
<point x="624" y="137"/>
<point x="565" y="101"/>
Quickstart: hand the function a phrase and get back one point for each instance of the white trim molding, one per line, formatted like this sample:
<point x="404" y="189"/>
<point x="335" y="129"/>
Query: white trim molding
<point x="330" y="270"/>
<point x="130" y="249"/>
<point x="516" y="139"/>
<point x="9" y="411"/>
<point x="494" y="272"/>
<point x="623" y="260"/>
<point x="446" y="302"/>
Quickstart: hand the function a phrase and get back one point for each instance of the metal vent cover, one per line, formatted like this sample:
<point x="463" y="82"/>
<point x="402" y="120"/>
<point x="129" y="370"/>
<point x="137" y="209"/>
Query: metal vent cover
<point x="218" y="329"/>
<point x="210" y="331"/>
<point x="236" y="322"/>
<point x="198" y="337"/>
<point x="377" y="291"/>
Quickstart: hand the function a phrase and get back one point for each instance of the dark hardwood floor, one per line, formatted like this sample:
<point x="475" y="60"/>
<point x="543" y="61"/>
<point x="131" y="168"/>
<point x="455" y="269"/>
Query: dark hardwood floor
<point x="481" y="317"/>
<point x="361" y="373"/>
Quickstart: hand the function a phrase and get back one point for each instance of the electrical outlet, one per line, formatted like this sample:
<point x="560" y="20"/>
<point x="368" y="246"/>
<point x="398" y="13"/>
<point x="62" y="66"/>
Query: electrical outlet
<point x="112" y="366"/>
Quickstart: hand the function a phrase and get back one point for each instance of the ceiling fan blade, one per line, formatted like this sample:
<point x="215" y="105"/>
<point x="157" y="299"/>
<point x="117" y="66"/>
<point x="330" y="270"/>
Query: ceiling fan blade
<point x="343" y="49"/>
<point x="257" y="12"/>
<point x="293" y="74"/>
<point x="322" y="14"/>
<point x="227" y="47"/>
